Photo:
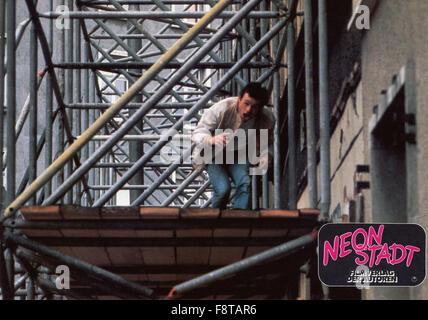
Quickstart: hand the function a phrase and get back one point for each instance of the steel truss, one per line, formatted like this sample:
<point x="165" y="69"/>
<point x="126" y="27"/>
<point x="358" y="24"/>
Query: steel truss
<point x="121" y="79"/>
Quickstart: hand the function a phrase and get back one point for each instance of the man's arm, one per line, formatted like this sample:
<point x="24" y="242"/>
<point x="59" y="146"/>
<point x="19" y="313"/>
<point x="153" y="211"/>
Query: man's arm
<point x="207" y="125"/>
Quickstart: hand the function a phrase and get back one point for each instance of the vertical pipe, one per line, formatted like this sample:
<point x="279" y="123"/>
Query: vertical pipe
<point x="32" y="167"/>
<point x="91" y="119"/>
<point x="265" y="191"/>
<point x="253" y="71"/>
<point x="310" y="117"/>
<point x="2" y="76"/>
<point x="96" y="144"/>
<point x="5" y="285"/>
<point x="77" y="94"/>
<point x="30" y="289"/>
<point x="252" y="75"/>
<point x="292" y="201"/>
<point x="265" y="182"/>
<point x="68" y="94"/>
<point x="276" y="146"/>
<point x="10" y="119"/>
<point x="136" y="147"/>
<point x="85" y="99"/>
<point x="324" y="109"/>
<point x="254" y="192"/>
<point x="59" y="128"/>
<point x="276" y="143"/>
<point x="11" y="99"/>
<point x="49" y="112"/>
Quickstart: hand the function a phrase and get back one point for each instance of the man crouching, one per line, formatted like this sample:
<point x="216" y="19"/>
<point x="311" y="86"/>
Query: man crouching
<point x="222" y="128"/>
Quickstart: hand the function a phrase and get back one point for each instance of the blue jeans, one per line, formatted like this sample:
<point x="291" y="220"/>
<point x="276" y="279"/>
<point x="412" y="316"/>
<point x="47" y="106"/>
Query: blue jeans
<point x="219" y="176"/>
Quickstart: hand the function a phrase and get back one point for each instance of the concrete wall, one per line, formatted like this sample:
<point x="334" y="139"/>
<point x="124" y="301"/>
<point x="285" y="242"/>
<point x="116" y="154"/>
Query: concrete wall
<point x="396" y="36"/>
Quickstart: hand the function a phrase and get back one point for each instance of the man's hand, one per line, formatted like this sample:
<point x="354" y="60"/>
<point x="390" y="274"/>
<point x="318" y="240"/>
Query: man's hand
<point x="221" y="139"/>
<point x="265" y="162"/>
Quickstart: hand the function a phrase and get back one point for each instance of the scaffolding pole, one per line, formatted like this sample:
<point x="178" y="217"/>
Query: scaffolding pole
<point x="268" y="255"/>
<point x="155" y="148"/>
<point x="83" y="267"/>
<point x="310" y="116"/>
<point x="109" y="113"/>
<point x="324" y="109"/>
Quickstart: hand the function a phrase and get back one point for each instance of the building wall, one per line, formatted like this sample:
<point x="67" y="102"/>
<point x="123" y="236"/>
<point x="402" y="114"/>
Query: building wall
<point x="396" y="36"/>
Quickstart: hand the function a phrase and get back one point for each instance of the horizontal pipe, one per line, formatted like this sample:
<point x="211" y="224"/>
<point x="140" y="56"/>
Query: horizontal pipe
<point x="163" y="224"/>
<point x="78" y="276"/>
<point x="86" y="2"/>
<point x="153" y="15"/>
<point x="274" y="253"/>
<point x="145" y="137"/>
<point x="147" y="65"/>
<point x="158" y="242"/>
<point x="143" y="187"/>
<point x="157" y="36"/>
<point x="78" y="264"/>
<point x="48" y="285"/>
<point x="149" y="165"/>
<point x="134" y="105"/>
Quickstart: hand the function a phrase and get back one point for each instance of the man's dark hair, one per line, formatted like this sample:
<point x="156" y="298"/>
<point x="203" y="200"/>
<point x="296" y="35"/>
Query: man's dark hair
<point x="256" y="91"/>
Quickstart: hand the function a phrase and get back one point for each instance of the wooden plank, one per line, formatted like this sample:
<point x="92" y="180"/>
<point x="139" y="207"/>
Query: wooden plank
<point x="199" y="213"/>
<point x="160" y="277"/>
<point x="158" y="255"/>
<point x="309" y="213"/>
<point x="225" y="255"/>
<point x="122" y="256"/>
<point x="257" y="233"/>
<point x="154" y="233"/>
<point x="120" y="212"/>
<point x="65" y="250"/>
<point x="236" y="214"/>
<point x="78" y="213"/>
<point x="239" y="214"/>
<point x="41" y="212"/>
<point x="159" y="213"/>
<point x="113" y="213"/>
<point x="193" y="255"/>
<point x="135" y="277"/>
<point x="275" y="213"/>
<point x="186" y="277"/>
<point x="94" y="255"/>
<point x="42" y="233"/>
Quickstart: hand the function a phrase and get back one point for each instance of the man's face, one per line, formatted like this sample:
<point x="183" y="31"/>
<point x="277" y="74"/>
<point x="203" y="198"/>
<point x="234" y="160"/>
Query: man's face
<point x="248" y="107"/>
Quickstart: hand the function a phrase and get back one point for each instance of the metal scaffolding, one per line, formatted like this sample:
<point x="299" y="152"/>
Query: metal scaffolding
<point x="108" y="116"/>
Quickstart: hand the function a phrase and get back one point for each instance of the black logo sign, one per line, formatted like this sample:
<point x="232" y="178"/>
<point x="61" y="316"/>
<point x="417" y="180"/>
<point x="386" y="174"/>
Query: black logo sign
<point x="365" y="255"/>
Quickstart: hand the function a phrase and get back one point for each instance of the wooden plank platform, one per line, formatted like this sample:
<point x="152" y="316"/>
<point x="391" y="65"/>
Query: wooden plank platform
<point x="160" y="246"/>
